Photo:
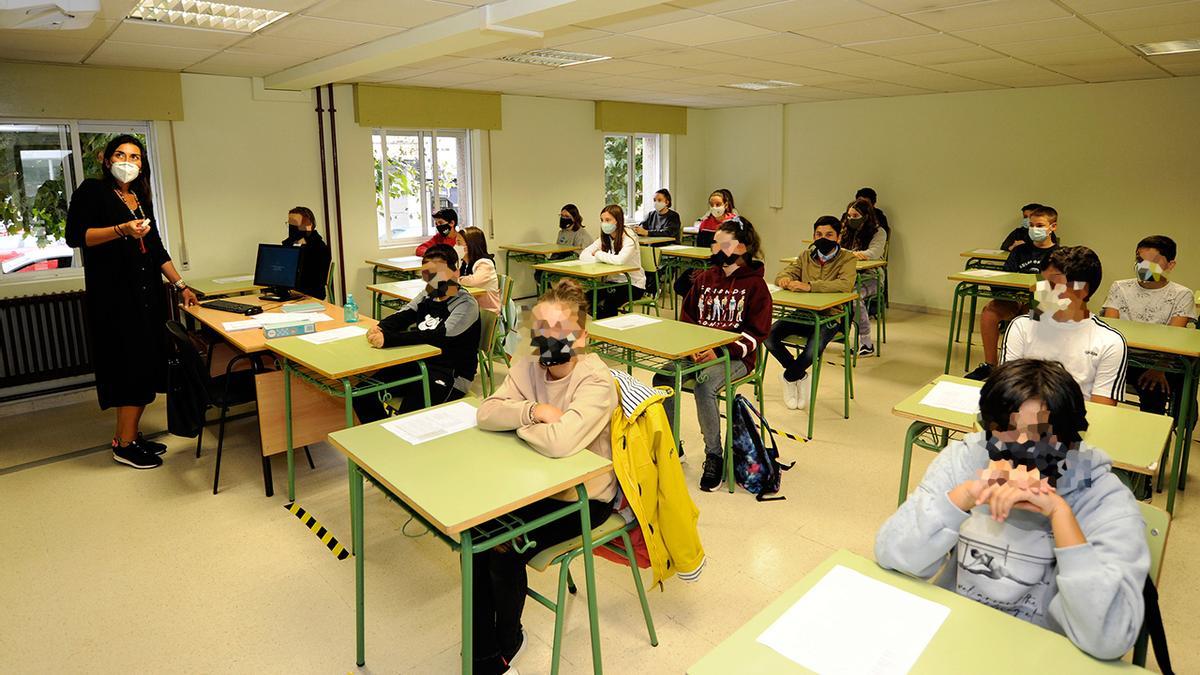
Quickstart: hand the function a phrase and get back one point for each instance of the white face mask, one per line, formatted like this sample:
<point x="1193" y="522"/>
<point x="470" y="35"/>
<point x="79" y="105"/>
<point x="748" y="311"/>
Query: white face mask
<point x="717" y="211"/>
<point x="659" y="206"/>
<point x="125" y="172"/>
<point x="607" y="227"/>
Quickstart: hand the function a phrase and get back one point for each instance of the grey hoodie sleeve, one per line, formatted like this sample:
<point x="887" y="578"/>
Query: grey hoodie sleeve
<point x="874" y="250"/>
<point x="919" y="535"/>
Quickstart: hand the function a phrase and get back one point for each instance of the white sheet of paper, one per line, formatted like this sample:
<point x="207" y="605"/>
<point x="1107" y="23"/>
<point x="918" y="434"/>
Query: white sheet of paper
<point x="994" y="251"/>
<point x="231" y="326"/>
<point x="435" y="423"/>
<point x="233" y="280"/>
<point x="983" y="273"/>
<point x="334" y="334"/>
<point x="411" y="287"/>
<point x="692" y="229"/>
<point x="851" y="624"/>
<point x="624" y="321"/>
<point x="413" y="260"/>
<point x="953" y="396"/>
<point x="674" y="247"/>
<point x="773" y="288"/>
<point x="315" y="317"/>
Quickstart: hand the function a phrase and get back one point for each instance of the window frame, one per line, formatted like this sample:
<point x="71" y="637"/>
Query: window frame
<point x="466" y="207"/>
<point x="660" y="142"/>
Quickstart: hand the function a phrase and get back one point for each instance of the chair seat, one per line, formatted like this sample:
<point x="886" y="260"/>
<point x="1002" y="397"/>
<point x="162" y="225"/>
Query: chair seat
<point x="543" y="560"/>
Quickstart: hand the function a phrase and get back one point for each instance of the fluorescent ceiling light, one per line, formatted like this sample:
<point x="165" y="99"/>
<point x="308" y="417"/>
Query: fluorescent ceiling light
<point x="554" y="57"/>
<point x="759" y="86"/>
<point x="1168" y="47"/>
<point x="210" y="15"/>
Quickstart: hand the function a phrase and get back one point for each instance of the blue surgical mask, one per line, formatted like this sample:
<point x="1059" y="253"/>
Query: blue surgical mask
<point x="1038" y="234"/>
<point x="1025" y="222"/>
<point x="607" y="227"/>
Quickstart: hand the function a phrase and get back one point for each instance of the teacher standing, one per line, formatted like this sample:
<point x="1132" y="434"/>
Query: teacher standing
<point x="112" y="220"/>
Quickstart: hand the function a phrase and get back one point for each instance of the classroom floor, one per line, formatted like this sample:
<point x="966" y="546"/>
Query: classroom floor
<point x="106" y="569"/>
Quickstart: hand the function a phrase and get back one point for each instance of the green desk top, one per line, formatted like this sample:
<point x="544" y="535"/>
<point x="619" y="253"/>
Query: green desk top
<point x="541" y="249"/>
<point x="655" y="241"/>
<point x="1005" y="279"/>
<point x="351" y="356"/>
<point x="408" y="263"/>
<point x="812" y="301"/>
<point x="1156" y="337"/>
<point x="408" y="289"/>
<point x="687" y="252"/>
<point x="667" y="338"/>
<point x="574" y="268"/>
<point x="965" y="643"/>
<point x="228" y="284"/>
<point x="985" y="254"/>
<point x="467" y="478"/>
<point x="1132" y="438"/>
<point x="860" y="265"/>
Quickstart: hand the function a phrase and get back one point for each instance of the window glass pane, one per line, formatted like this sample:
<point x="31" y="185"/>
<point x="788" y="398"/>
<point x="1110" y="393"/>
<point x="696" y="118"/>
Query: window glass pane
<point x="34" y="170"/>
<point x="404" y="186"/>
<point x="648" y="170"/>
<point x="453" y="175"/>
<point x="616" y="170"/>
<point x="431" y="181"/>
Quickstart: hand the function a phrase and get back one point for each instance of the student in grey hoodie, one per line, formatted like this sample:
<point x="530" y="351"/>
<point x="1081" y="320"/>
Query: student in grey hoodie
<point x="1026" y="518"/>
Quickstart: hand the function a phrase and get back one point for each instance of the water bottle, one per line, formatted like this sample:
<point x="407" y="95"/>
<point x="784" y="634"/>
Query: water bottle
<point x="351" y="309"/>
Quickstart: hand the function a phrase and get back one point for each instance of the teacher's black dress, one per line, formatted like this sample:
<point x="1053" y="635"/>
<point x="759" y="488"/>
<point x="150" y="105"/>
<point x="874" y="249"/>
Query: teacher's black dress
<point x="126" y="303"/>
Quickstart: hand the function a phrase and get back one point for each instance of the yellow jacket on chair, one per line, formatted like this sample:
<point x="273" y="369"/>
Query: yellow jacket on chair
<point x="647" y="467"/>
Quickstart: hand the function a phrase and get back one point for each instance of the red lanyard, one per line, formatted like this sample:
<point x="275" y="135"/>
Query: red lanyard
<point x="138" y="214"/>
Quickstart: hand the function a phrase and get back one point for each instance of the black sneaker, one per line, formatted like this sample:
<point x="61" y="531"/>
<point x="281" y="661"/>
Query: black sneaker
<point x="866" y="350"/>
<point x="714" y="473"/>
<point x="151" y="446"/>
<point x="983" y="372"/>
<point x="133" y="455"/>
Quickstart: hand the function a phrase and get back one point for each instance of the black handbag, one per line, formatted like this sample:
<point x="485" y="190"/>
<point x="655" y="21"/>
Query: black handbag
<point x="187" y="393"/>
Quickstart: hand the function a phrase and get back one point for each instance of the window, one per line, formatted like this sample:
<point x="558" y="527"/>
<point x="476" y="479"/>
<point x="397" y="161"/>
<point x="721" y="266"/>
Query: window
<point x="418" y="173"/>
<point x="632" y="172"/>
<point x="41" y="162"/>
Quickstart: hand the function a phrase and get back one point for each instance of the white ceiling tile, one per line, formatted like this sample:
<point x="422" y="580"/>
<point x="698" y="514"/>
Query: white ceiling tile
<point x="768" y="45"/>
<point x="704" y="30"/>
<point x="938" y="81"/>
<point x="245" y="64"/>
<point x="985" y="14"/>
<point x="116" y="9"/>
<point x="720" y="6"/>
<point x="1110" y="71"/>
<point x="277" y="46"/>
<point x="96" y="30"/>
<point x="1180" y="64"/>
<point x="796" y="15"/>
<point x="1086" y="56"/>
<point x="157" y="57"/>
<point x="751" y="68"/>
<point x="1090" y="6"/>
<point x="327" y="30"/>
<point x="500" y="68"/>
<point x="885" y="89"/>
<point x="1148" y="17"/>
<point x="868" y="30"/>
<point x="616" y="46"/>
<point x="392" y="75"/>
<point x="814" y="57"/>
<point x="396" y="13"/>
<point x="906" y="6"/>
<point x="505" y="48"/>
<point x="1032" y="30"/>
<point x="621" y="81"/>
<point x="612" y="67"/>
<point x="681" y="57"/>
<point x="646" y="17"/>
<point x="51" y="50"/>
<point x="973" y="53"/>
<point x="1180" y="31"/>
<point x="151" y="33"/>
<point x="912" y="45"/>
<point x="1005" y="71"/>
<point x="1059" y="45"/>
<point x="443" y="78"/>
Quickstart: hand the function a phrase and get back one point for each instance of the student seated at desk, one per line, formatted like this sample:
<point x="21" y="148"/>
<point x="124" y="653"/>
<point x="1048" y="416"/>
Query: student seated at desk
<point x="1060" y="328"/>
<point x="446" y="223"/>
<point x="1020" y="234"/>
<point x="1043" y="222"/>
<point x="825" y="267"/>
<point x="731" y="295"/>
<point x="872" y="197"/>
<point x="865" y="239"/>
<point x="720" y="209"/>
<point x="662" y="221"/>
<point x="315" y="257"/>
<point x="560" y="402"/>
<point x="442" y="315"/>
<point x="1153" y="298"/>
<point x="478" y="269"/>
<point x="1027" y="518"/>
<point x="617" y="245"/>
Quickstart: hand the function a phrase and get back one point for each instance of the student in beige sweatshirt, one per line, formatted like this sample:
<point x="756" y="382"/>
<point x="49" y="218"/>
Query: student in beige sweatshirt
<point x="560" y="402"/>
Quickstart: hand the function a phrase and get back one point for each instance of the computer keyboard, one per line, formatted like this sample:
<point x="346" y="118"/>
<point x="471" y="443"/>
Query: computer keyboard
<point x="234" y="307"/>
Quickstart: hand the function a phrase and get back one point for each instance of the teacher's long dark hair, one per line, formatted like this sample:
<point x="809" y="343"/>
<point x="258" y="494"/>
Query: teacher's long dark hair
<point x="140" y="185"/>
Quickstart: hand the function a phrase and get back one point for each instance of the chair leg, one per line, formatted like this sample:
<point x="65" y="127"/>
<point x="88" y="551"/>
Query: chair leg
<point x="268" y="482"/>
<point x="637" y="581"/>
<point x="310" y="460"/>
<point x="560" y="612"/>
<point x="199" y="441"/>
<point x="220" y="446"/>
<point x="571" y="582"/>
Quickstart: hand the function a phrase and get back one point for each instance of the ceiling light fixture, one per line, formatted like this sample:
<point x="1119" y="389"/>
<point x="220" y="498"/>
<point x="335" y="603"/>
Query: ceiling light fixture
<point x="208" y="15"/>
<point x="1168" y="47"/>
<point x="759" y="86"/>
<point x="555" y="58"/>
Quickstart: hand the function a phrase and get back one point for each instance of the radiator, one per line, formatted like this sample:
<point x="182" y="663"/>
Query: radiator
<point x="43" y="338"/>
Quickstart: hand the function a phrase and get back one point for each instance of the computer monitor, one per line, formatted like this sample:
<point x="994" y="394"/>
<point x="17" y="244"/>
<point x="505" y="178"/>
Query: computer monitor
<point x="277" y="268"/>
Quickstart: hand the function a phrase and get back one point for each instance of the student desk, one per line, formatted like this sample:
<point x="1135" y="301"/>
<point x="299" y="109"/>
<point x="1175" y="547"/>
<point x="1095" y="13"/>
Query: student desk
<point x="664" y="348"/>
<point x="655" y="241"/>
<point x="984" y="258"/>
<point x="966" y="642"/>
<point x="398" y="269"/>
<point x="810" y="309"/>
<point x="869" y="269"/>
<point x="970" y="284"/>
<point x="209" y="288"/>
<point x="677" y="259"/>
<point x="590" y="275"/>
<point x="1172" y="349"/>
<point x="687" y="235"/>
<point x="1136" y="441"/>
<point x="493" y="474"/>
<point x="343" y="369"/>
<point x="401" y="292"/>
<point x="534" y="253"/>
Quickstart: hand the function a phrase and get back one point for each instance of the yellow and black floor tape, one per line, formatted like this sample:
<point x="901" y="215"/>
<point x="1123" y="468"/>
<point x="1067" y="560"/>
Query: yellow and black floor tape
<point x="324" y="535"/>
<point x="777" y="432"/>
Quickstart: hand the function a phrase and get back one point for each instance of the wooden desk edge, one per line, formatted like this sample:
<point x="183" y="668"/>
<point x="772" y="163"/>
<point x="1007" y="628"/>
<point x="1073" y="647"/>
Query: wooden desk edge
<point x="813" y="308"/>
<point x="433" y="351"/>
<point x="674" y="357"/>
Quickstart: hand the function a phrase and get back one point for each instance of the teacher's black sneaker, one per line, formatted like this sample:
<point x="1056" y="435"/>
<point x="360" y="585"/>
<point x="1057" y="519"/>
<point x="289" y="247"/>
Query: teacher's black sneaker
<point x="981" y="373"/>
<point x="714" y="472"/>
<point x="151" y="446"/>
<point x="134" y="455"/>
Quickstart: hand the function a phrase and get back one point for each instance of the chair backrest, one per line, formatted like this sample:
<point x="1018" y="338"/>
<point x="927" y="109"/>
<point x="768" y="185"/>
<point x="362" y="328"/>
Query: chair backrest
<point x="329" y="282"/>
<point x="650" y="258"/>
<point x="1158" y="523"/>
<point x="487" y="328"/>
<point x="704" y="238"/>
<point x="760" y="361"/>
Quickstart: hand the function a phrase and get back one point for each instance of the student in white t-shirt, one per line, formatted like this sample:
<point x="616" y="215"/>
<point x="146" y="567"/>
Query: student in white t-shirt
<point x="1061" y="328"/>
<point x="1153" y="298"/>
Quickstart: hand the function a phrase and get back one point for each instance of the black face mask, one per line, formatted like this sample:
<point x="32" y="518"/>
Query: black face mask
<point x="552" y="351"/>
<point x="564" y="223"/>
<point x="825" y="246"/>
<point x="294" y="232"/>
<point x="854" y="223"/>
<point x="723" y="259"/>
<point x="444" y="230"/>
<point x="1048" y="458"/>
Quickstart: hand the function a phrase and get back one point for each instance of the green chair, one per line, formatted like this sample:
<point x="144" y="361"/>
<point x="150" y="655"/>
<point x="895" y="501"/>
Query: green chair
<point x="849" y="356"/>
<point x="562" y="555"/>
<point x="488" y="321"/>
<point x="1158" y="523"/>
<point x="329" y="283"/>
<point x="650" y="264"/>
<point x="507" y="323"/>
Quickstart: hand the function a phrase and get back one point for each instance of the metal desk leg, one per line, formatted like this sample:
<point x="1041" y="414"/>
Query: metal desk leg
<point x="729" y="394"/>
<point x="356" y="534"/>
<point x="816" y="372"/>
<point x="425" y="383"/>
<point x="847" y="381"/>
<point x="376" y="309"/>
<point x="678" y="402"/>
<point x="955" y="308"/>
<point x="971" y="329"/>
<point x="589" y="571"/>
<point x="1181" y="433"/>
<point x="466" y="553"/>
<point x="287" y="422"/>
<point x="914" y="430"/>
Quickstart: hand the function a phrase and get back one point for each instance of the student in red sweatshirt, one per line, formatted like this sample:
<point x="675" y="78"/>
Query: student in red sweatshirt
<point x="720" y="209"/>
<point x="446" y="222"/>
<point x="733" y="296"/>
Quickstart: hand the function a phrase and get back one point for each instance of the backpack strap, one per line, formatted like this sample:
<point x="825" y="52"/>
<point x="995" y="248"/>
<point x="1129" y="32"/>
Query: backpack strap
<point x="1152" y="624"/>
<point x="770" y="433"/>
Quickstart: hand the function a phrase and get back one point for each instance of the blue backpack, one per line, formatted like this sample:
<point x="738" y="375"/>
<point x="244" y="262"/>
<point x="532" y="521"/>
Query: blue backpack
<point x="756" y="467"/>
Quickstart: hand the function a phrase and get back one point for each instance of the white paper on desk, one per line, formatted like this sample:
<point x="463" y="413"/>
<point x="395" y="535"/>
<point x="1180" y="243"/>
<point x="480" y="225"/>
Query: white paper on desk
<point x="851" y="624"/>
<point x="773" y="288"/>
<point x="406" y="260"/>
<point x="982" y="273"/>
<point x="624" y="321"/>
<point x="232" y="326"/>
<point x="961" y="398"/>
<point x="334" y="334"/>
<point x="994" y="251"/>
<point x="433" y="423"/>
<point x="233" y="280"/>
<point x="674" y="247"/>
<point x="268" y="318"/>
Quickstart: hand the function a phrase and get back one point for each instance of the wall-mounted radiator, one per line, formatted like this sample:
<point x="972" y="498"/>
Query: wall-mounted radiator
<point x="43" y="338"/>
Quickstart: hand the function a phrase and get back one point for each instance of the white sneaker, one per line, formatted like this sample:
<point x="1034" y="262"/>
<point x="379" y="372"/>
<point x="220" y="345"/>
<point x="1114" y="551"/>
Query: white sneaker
<point x="790" y="397"/>
<point x="802" y="391"/>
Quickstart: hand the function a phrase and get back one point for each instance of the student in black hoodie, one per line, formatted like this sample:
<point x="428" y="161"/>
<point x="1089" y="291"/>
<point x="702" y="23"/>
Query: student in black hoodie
<point x="314" y="256"/>
<point x="442" y="315"/>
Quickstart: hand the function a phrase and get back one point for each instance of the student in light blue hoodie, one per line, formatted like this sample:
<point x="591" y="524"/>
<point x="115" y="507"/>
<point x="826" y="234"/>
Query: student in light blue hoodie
<point x="1027" y="518"/>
